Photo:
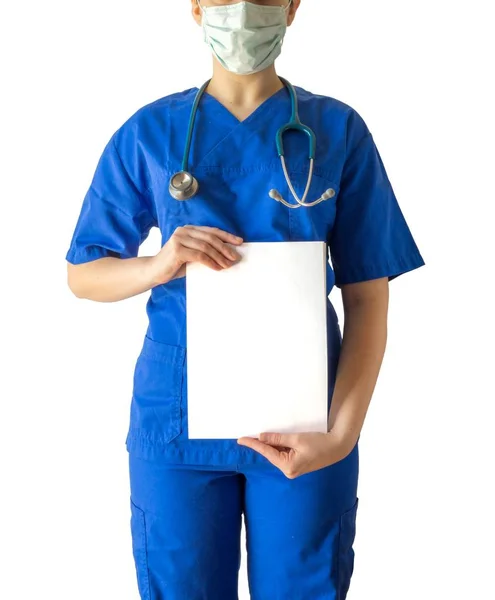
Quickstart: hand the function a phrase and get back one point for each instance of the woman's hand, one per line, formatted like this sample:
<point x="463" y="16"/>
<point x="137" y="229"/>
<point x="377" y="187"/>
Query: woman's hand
<point x="206" y="245"/>
<point x="363" y="345"/>
<point x="296" y="454"/>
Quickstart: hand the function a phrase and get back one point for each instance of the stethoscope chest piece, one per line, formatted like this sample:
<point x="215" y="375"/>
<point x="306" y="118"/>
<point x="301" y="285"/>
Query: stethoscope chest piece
<point x="183" y="186"/>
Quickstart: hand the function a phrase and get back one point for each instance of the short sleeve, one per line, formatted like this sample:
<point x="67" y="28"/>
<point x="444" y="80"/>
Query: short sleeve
<point x="115" y="217"/>
<point x="370" y="237"/>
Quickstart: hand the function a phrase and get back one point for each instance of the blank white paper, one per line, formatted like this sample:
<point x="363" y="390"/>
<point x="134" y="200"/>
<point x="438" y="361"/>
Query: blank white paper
<point x="256" y="342"/>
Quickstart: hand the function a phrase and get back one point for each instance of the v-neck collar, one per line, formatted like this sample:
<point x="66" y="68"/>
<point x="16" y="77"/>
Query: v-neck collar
<point x="223" y="130"/>
<point x="225" y="112"/>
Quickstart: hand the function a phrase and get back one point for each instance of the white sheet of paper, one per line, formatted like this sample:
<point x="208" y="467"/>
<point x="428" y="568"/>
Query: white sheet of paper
<point x="256" y="342"/>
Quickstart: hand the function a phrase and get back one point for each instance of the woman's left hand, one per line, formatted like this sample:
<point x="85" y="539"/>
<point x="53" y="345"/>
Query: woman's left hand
<point x="296" y="454"/>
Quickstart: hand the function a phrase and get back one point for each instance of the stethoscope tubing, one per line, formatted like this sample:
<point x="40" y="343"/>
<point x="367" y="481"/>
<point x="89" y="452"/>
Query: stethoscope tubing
<point x="188" y="184"/>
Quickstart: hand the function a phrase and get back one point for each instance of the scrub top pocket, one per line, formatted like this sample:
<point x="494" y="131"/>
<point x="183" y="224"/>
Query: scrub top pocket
<point x="157" y="393"/>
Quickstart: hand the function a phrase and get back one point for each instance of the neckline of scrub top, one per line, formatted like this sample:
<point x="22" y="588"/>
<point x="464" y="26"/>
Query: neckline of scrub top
<point x="221" y="108"/>
<point x="232" y="130"/>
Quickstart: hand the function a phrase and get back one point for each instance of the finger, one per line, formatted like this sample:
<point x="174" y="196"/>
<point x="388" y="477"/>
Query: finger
<point x="205" y="248"/>
<point x="189" y="255"/>
<point x="284" y="440"/>
<point x="215" y="241"/>
<point x="220" y="233"/>
<point x="270" y="453"/>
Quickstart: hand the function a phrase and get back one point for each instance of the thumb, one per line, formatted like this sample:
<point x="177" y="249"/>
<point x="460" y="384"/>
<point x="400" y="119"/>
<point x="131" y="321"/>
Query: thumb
<point x="285" y="440"/>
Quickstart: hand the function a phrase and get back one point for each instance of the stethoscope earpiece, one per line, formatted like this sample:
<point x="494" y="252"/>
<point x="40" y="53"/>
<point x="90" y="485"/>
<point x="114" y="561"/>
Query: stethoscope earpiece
<point x="276" y="195"/>
<point x="330" y="193"/>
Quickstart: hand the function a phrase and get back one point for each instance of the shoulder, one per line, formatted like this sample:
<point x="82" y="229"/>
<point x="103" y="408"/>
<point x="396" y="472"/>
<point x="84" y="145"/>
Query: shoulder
<point x="141" y="136"/>
<point x="335" y="114"/>
<point x="154" y="114"/>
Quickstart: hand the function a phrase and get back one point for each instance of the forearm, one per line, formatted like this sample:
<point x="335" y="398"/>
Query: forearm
<point x="111" y="279"/>
<point x="363" y="347"/>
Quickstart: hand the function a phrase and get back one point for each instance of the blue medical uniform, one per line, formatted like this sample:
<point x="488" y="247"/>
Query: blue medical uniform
<point x="188" y="496"/>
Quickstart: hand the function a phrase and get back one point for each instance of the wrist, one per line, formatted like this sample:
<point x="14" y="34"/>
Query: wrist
<point x="151" y="271"/>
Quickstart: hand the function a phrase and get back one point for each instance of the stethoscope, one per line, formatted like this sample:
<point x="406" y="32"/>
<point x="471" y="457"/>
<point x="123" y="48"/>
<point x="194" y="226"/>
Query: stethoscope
<point x="184" y="186"/>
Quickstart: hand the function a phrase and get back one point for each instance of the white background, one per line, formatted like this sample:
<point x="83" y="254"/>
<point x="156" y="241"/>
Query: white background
<point x="419" y="73"/>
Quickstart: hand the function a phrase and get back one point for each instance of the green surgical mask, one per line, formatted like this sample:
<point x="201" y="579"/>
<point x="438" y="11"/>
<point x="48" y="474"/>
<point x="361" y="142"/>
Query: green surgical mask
<point x="245" y="37"/>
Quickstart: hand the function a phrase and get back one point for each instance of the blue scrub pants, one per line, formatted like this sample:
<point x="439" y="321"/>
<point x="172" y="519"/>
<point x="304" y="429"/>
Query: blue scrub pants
<point x="186" y="524"/>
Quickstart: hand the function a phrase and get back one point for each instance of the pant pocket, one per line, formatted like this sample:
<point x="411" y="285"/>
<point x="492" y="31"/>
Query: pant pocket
<point x="156" y="407"/>
<point x="346" y="551"/>
<point x="140" y="550"/>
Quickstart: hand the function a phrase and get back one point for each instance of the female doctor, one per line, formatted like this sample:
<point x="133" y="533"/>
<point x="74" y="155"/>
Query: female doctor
<point x="204" y="166"/>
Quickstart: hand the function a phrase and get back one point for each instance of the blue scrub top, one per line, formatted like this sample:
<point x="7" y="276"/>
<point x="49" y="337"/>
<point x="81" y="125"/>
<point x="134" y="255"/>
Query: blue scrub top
<point x="236" y="164"/>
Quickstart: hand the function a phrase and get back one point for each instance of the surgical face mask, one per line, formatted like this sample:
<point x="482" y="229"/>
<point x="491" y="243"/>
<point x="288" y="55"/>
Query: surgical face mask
<point x="245" y="37"/>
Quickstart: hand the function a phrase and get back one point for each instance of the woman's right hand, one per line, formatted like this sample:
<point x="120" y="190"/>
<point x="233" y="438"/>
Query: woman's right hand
<point x="206" y="245"/>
